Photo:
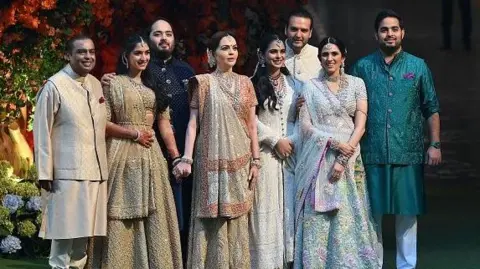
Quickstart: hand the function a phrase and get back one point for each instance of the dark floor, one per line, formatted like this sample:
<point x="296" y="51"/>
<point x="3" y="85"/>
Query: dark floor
<point x="449" y="235"/>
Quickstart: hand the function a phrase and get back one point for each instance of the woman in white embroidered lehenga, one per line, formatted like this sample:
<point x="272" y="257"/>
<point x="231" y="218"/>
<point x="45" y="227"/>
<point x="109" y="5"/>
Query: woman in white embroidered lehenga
<point x="275" y="88"/>
<point x="333" y="227"/>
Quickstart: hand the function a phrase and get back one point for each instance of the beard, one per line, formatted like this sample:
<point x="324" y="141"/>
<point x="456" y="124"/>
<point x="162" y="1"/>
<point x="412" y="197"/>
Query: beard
<point x="390" y="50"/>
<point x="160" y="54"/>
<point x="163" y="54"/>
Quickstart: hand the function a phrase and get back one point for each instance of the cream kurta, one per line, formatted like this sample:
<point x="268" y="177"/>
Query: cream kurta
<point x="266" y="223"/>
<point x="305" y="65"/>
<point x="69" y="132"/>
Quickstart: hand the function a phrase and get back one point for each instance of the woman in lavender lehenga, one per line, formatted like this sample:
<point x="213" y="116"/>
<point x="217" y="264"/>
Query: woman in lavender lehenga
<point x="333" y="225"/>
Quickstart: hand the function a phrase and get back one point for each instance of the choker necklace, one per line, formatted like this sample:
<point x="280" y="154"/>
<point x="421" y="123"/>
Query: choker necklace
<point x="274" y="80"/>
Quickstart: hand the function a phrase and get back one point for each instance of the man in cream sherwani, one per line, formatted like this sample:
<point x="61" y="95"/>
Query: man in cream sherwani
<point x="301" y="58"/>
<point x="70" y="155"/>
<point x="303" y="63"/>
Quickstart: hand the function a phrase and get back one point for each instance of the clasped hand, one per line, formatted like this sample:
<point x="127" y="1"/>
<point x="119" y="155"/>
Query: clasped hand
<point x="146" y="138"/>
<point x="284" y="148"/>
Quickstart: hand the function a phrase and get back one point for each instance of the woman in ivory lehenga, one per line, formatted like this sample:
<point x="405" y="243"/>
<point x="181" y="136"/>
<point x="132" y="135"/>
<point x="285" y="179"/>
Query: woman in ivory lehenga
<point x="226" y="160"/>
<point x="142" y="229"/>
<point x="333" y="225"/>
<point x="270" y="246"/>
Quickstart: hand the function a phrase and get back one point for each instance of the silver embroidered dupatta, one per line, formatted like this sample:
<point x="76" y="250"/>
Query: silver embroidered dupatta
<point x="222" y="157"/>
<point x="322" y="118"/>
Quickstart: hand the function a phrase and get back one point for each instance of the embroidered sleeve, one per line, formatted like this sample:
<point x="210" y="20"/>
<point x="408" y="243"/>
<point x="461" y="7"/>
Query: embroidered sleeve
<point x="107" y="94"/>
<point x="250" y="98"/>
<point x="360" y="90"/>
<point x="266" y="135"/>
<point x="196" y="85"/>
<point x="194" y="92"/>
<point x="165" y="115"/>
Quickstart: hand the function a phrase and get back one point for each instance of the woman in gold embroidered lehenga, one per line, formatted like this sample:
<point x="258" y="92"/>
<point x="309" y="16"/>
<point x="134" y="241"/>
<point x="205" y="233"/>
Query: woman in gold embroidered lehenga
<point x="226" y="161"/>
<point x="142" y="229"/>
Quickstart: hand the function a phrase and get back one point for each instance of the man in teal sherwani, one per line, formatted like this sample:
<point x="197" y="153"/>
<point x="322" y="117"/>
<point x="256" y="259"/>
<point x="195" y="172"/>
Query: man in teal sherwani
<point x="401" y="95"/>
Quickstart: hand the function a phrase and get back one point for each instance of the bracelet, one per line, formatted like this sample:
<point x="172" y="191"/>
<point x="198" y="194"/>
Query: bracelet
<point x="176" y="161"/>
<point x="186" y="160"/>
<point x="435" y="144"/>
<point x="342" y="159"/>
<point x="256" y="162"/>
<point x="138" y="136"/>
<point x="335" y="145"/>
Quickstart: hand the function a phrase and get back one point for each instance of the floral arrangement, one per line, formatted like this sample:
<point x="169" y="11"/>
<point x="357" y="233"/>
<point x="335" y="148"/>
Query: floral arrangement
<point x="20" y="214"/>
<point x="32" y="31"/>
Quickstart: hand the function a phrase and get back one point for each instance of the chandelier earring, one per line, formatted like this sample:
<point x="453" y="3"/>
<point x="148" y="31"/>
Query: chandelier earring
<point x="211" y="59"/>
<point x="342" y="68"/>
<point x="261" y="60"/>
<point x="124" y="60"/>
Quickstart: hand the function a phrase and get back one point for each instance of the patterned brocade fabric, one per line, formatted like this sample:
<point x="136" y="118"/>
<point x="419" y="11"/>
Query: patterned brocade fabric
<point x="333" y="224"/>
<point x="142" y="222"/>
<point x="401" y="95"/>
<point x="221" y="198"/>
<point x="223" y="146"/>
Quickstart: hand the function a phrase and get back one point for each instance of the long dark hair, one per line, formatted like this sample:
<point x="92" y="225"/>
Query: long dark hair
<point x="146" y="76"/>
<point x="263" y="88"/>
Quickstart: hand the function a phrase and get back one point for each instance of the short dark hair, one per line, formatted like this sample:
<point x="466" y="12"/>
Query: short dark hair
<point x="69" y="46"/>
<point x="302" y="13"/>
<point x="388" y="13"/>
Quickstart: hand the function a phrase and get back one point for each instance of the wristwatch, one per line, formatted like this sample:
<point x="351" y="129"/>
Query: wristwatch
<point x="435" y="145"/>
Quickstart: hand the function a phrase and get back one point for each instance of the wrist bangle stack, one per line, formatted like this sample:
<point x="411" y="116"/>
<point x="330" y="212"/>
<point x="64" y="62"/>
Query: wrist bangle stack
<point x="176" y="161"/>
<point x="138" y="136"/>
<point x="186" y="160"/>
<point x="343" y="160"/>
<point x="256" y="162"/>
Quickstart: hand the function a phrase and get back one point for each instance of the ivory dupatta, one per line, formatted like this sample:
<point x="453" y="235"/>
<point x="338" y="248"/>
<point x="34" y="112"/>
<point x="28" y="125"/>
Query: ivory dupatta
<point x="321" y="119"/>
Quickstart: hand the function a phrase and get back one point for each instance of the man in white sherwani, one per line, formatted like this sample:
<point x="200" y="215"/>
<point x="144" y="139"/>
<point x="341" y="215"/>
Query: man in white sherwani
<point x="70" y="155"/>
<point x="301" y="58"/>
<point x="302" y="62"/>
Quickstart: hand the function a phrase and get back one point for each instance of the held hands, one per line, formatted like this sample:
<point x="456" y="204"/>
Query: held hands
<point x="182" y="170"/>
<point x="337" y="172"/>
<point x="107" y="78"/>
<point x="434" y="156"/>
<point x="284" y="148"/>
<point x="346" y="149"/>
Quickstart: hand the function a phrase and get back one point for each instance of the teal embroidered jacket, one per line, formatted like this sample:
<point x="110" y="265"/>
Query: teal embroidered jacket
<point x="401" y="96"/>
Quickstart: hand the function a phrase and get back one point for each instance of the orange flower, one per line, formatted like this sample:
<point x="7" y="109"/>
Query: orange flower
<point x="48" y="4"/>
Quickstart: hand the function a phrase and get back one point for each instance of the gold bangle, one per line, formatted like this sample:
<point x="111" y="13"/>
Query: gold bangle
<point x="256" y="162"/>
